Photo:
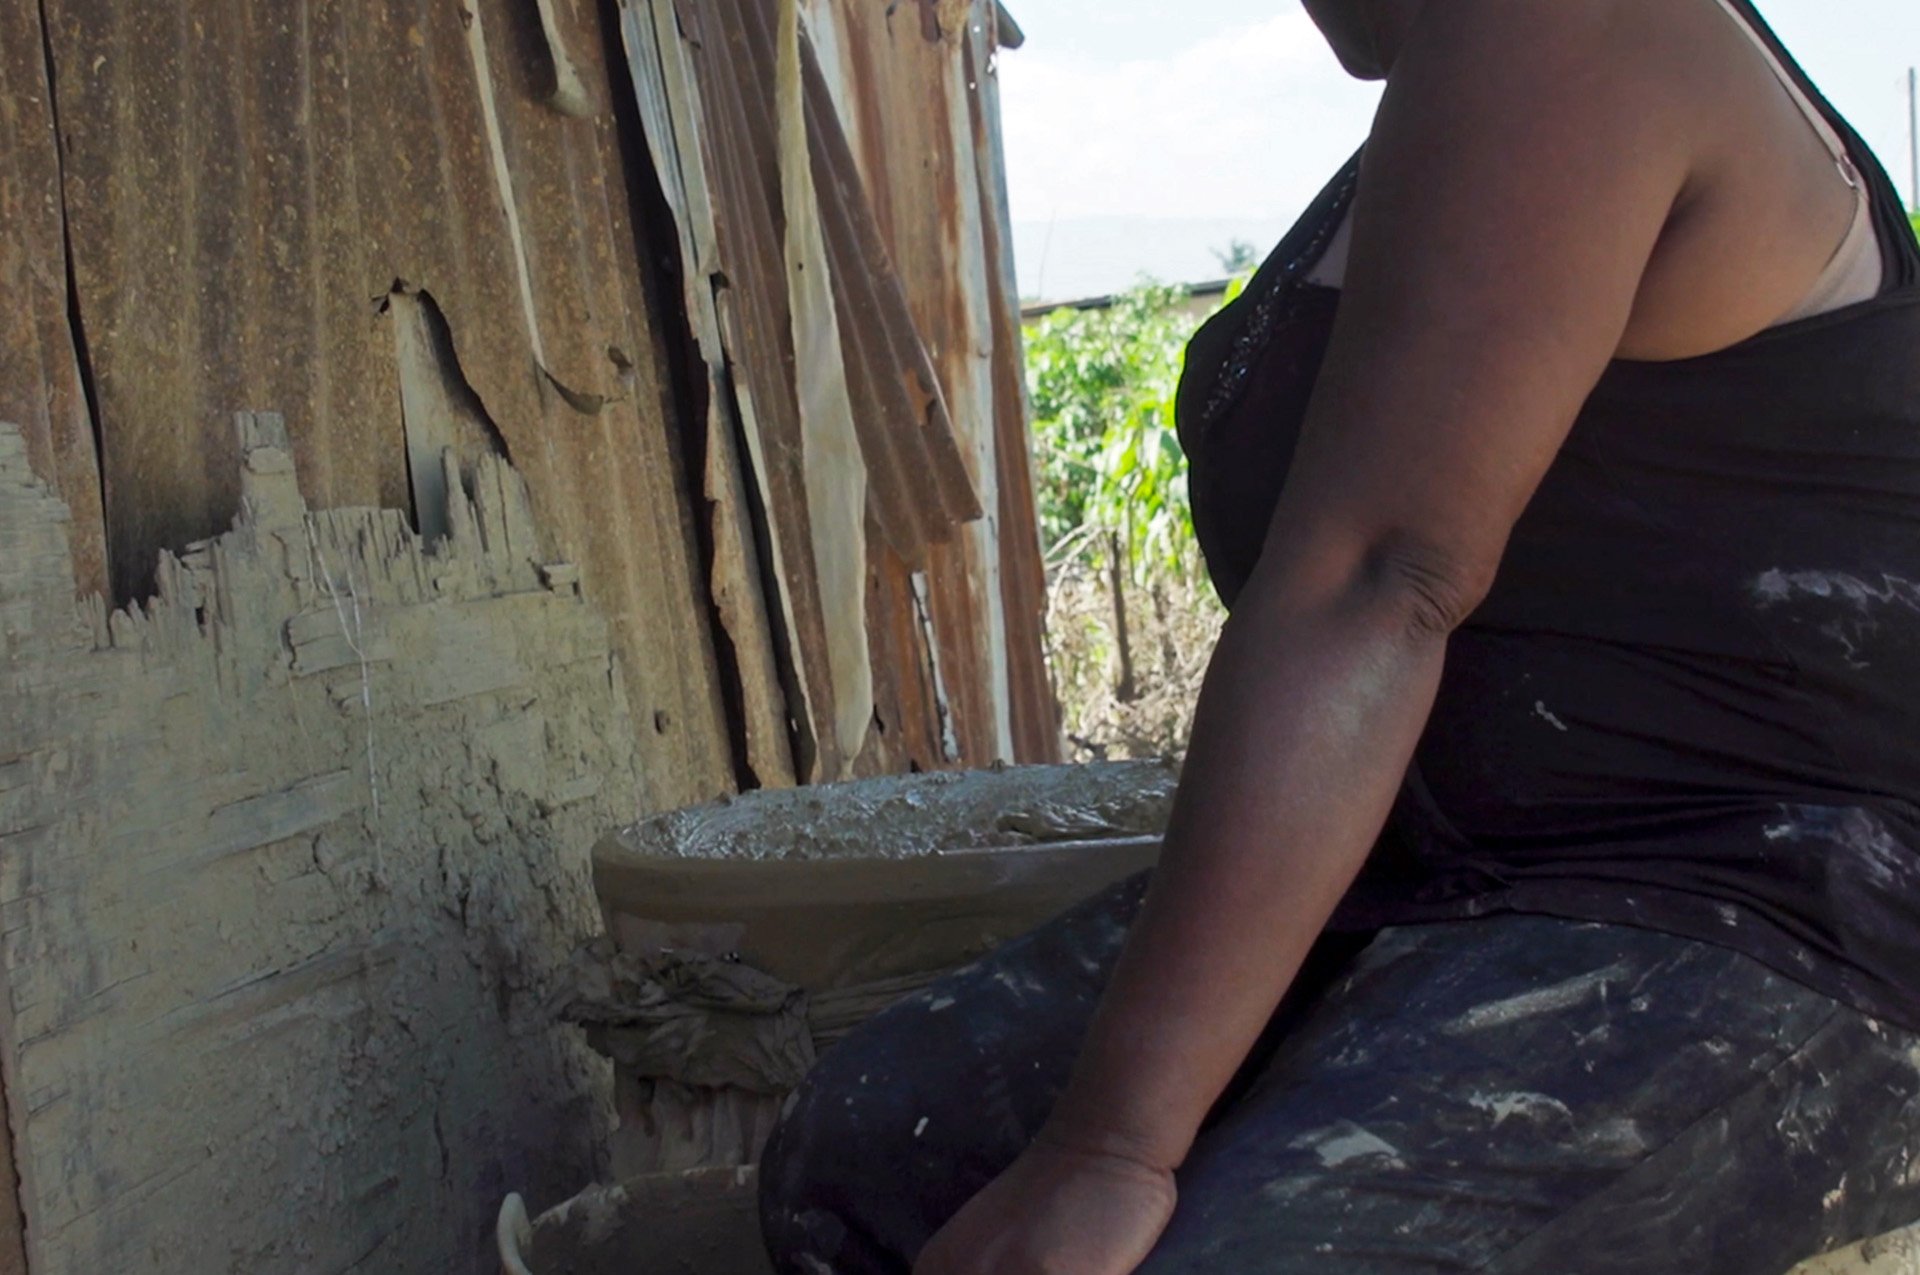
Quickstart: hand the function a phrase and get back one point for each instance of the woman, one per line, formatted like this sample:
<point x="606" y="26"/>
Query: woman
<point x="1557" y="776"/>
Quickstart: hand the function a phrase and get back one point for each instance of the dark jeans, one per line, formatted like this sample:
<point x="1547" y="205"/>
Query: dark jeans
<point x="1510" y="1094"/>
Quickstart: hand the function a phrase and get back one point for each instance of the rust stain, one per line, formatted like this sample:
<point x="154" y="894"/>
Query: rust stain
<point x="921" y="487"/>
<point x="909" y="95"/>
<point x="944" y="20"/>
<point x="41" y="386"/>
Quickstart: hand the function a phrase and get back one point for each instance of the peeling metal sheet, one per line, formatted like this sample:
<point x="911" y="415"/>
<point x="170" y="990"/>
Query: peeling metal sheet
<point x="834" y="471"/>
<point x="907" y="97"/>
<point x="921" y="491"/>
<point x="931" y="371"/>
<point x="669" y="111"/>
<point x="245" y="183"/>
<point x="727" y="193"/>
<point x="1034" y="717"/>
<point x="730" y="47"/>
<point x="439" y="410"/>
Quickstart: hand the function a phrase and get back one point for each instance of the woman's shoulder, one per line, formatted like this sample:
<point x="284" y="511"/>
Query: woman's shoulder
<point x="1645" y="110"/>
<point x="1580" y="57"/>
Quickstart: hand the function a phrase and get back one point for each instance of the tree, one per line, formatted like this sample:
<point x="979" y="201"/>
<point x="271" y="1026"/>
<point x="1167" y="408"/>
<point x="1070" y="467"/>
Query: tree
<point x="1239" y="257"/>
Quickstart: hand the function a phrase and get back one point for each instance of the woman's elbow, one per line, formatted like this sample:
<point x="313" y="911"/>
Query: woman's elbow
<point x="1411" y="585"/>
<point x="1427" y="588"/>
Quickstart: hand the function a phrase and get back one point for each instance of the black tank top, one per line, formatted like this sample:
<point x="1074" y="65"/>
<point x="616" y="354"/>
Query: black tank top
<point x="1691" y="701"/>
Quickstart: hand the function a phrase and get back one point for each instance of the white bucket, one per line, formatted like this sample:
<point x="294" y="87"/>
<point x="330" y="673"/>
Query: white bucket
<point x="701" y="1222"/>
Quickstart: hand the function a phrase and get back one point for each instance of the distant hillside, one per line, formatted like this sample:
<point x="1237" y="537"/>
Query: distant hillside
<point x="1094" y="256"/>
<point x="1085" y="257"/>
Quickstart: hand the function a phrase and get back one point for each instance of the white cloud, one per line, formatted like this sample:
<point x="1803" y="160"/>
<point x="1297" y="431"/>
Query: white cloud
<point x="1245" y="123"/>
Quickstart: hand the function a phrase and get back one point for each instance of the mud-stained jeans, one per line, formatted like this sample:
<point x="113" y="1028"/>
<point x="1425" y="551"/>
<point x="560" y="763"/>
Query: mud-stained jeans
<point x="1505" y="1095"/>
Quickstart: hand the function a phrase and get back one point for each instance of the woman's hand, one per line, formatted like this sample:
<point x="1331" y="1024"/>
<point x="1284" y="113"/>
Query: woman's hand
<point x="1056" y="1211"/>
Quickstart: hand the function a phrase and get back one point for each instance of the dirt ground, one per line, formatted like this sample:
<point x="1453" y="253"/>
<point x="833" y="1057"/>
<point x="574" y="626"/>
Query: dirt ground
<point x="1131" y="698"/>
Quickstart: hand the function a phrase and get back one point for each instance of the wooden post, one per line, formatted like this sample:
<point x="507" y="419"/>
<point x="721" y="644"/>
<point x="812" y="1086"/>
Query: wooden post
<point x="1126" y="688"/>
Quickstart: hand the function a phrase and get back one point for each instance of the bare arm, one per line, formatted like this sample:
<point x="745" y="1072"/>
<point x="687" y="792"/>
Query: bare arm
<point x="1512" y="196"/>
<point x="1516" y="186"/>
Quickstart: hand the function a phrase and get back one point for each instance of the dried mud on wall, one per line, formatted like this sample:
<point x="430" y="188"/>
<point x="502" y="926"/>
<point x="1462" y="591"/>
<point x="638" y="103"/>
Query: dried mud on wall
<point x="287" y="861"/>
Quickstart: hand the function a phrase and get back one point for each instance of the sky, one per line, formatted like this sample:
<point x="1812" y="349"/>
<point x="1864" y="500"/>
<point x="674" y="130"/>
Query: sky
<point x="1143" y="136"/>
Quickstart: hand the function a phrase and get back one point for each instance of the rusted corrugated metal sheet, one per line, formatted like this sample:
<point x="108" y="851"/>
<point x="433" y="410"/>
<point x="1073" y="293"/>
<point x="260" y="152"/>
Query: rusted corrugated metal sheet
<point x="753" y="624"/>
<point x="246" y="183"/>
<point x="729" y="142"/>
<point x="919" y="118"/>
<point x="922" y="489"/>
<point x="413" y="226"/>
<point x="932" y="364"/>
<point x="40" y="388"/>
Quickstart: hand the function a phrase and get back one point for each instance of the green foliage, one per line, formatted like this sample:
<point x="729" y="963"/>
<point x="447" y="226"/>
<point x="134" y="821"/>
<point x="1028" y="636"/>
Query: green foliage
<point x="1915" y="219"/>
<point x="1109" y="466"/>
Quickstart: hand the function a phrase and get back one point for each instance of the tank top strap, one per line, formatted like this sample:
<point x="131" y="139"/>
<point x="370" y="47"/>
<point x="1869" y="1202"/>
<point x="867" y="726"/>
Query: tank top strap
<point x="1900" y="254"/>
<point x="1836" y="145"/>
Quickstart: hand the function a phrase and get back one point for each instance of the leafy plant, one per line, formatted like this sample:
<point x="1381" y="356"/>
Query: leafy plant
<point x="1110" y="470"/>
<point x="1131" y="616"/>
